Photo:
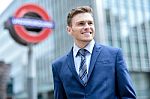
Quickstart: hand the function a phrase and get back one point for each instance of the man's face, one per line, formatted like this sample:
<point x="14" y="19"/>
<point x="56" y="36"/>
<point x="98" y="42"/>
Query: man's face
<point x="82" y="28"/>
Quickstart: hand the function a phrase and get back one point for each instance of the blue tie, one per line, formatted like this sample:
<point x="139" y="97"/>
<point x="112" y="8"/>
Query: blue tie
<point x="83" y="67"/>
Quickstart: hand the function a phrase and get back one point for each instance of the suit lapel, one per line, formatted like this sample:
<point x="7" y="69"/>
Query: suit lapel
<point x="71" y="65"/>
<point x="96" y="51"/>
<point x="70" y="61"/>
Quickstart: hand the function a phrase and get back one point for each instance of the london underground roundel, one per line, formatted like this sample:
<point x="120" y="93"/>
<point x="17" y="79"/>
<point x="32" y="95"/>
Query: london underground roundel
<point x="31" y="24"/>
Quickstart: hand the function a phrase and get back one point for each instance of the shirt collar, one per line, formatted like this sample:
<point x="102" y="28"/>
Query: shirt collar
<point x="89" y="48"/>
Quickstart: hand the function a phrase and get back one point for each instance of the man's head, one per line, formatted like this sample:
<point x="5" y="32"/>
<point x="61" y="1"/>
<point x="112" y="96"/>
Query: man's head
<point x="81" y="25"/>
<point x="78" y="10"/>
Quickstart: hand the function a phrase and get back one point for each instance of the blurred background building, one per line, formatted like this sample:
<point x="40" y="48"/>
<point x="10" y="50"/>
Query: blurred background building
<point x="119" y="23"/>
<point x="4" y="76"/>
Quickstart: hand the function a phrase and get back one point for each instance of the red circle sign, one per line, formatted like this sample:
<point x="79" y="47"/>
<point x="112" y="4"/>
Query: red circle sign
<point x="22" y="32"/>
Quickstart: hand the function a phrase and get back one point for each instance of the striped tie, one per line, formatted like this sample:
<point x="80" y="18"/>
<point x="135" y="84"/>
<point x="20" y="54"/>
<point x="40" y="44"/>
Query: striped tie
<point x="83" y="66"/>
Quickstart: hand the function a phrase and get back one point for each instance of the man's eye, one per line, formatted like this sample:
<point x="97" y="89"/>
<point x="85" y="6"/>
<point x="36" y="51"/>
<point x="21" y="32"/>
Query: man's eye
<point x="90" y="23"/>
<point x="81" y="23"/>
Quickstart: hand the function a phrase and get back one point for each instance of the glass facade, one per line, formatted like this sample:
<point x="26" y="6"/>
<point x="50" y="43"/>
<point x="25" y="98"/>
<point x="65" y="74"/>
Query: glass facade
<point x="127" y="23"/>
<point x="121" y="23"/>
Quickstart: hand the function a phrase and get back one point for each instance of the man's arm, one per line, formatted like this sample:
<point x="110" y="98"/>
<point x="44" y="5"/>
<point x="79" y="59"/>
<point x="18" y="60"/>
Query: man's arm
<point x="59" y="92"/>
<point x="124" y="85"/>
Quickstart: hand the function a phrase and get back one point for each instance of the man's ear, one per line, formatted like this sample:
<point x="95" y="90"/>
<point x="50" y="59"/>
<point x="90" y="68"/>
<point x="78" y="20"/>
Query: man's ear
<point x="69" y="30"/>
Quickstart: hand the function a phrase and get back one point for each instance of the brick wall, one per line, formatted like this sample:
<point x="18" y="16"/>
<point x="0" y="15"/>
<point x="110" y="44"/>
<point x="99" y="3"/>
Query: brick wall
<point x="4" y="75"/>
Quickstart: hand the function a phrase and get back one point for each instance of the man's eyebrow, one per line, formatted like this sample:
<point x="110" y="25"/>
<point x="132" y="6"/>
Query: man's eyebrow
<point x="80" y="21"/>
<point x="86" y="21"/>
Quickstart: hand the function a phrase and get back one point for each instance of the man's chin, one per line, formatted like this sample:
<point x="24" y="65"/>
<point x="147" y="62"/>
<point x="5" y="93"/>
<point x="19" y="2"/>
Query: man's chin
<point x="87" y="40"/>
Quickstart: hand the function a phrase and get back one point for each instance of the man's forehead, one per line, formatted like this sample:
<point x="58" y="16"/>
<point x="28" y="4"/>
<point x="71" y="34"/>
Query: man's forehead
<point x="83" y="17"/>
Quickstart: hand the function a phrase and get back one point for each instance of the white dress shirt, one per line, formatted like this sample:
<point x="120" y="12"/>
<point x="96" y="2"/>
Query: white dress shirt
<point x="77" y="58"/>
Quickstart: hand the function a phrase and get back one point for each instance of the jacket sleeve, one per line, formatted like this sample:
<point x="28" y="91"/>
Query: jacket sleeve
<point x="59" y="92"/>
<point x="124" y="85"/>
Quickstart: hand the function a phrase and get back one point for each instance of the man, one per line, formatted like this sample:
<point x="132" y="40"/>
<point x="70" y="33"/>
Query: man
<point x="90" y="70"/>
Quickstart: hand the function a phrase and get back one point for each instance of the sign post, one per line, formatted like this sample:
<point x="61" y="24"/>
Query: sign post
<point x="30" y="25"/>
<point x="31" y="79"/>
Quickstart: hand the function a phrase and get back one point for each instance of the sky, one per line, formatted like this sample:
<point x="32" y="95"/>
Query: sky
<point x="4" y="4"/>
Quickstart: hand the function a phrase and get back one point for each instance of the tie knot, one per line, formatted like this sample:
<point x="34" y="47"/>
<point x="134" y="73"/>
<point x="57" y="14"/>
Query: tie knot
<point x="82" y="52"/>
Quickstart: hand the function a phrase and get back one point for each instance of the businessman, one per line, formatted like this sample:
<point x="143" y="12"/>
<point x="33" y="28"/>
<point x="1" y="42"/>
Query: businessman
<point x="90" y="70"/>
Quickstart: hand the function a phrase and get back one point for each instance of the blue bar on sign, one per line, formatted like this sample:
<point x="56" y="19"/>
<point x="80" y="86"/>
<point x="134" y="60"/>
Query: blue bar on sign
<point x="33" y="22"/>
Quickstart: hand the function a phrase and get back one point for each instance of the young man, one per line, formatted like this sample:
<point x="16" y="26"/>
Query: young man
<point x="90" y="70"/>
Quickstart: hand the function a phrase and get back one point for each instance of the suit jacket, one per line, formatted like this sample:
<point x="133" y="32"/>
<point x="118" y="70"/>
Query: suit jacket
<point x="108" y="77"/>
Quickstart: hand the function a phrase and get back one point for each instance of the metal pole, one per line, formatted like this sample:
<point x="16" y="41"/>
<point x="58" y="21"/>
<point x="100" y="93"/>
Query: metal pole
<point x="31" y="80"/>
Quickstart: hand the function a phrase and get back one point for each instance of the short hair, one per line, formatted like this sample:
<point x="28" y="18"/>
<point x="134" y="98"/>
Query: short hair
<point x="78" y="10"/>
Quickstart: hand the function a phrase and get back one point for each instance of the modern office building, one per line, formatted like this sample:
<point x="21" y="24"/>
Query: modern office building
<point x="119" y="23"/>
<point x="127" y="24"/>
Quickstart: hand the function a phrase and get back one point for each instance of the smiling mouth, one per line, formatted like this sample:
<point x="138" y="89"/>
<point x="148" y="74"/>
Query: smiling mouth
<point x="87" y="33"/>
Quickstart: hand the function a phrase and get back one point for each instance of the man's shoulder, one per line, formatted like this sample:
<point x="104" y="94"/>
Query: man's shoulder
<point x="109" y="52"/>
<point x="108" y="47"/>
<point x="60" y="59"/>
<point x="58" y="63"/>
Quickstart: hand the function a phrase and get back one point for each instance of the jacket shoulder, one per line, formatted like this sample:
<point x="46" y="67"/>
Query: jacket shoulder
<point x="60" y="60"/>
<point x="109" y="48"/>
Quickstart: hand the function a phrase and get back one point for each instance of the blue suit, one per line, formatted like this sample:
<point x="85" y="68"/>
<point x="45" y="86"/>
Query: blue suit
<point x="108" y="77"/>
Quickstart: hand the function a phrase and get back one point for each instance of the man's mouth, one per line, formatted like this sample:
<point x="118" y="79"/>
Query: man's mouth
<point x="87" y="33"/>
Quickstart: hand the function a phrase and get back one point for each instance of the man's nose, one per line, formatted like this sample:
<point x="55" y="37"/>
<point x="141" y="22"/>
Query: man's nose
<point x="86" y="26"/>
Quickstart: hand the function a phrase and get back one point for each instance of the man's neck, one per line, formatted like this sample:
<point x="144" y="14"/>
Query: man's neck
<point x="82" y="44"/>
